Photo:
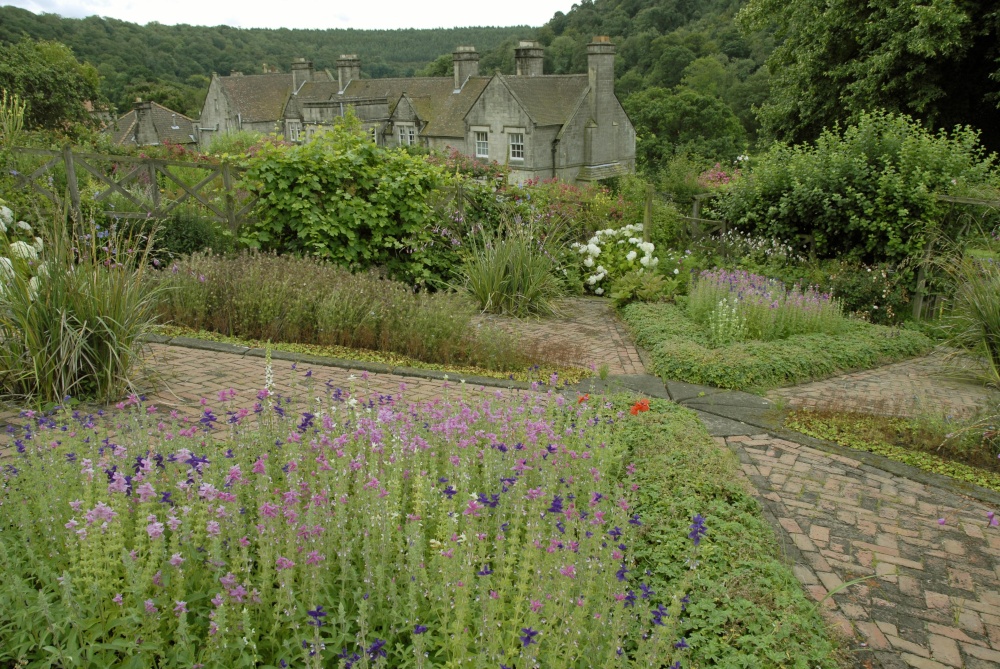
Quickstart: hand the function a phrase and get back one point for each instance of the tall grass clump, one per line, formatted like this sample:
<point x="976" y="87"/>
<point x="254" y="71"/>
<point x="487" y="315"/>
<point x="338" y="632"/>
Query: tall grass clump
<point x="383" y="533"/>
<point x="72" y="311"/>
<point x="739" y="306"/>
<point x="305" y="300"/>
<point x="973" y="320"/>
<point x="512" y="270"/>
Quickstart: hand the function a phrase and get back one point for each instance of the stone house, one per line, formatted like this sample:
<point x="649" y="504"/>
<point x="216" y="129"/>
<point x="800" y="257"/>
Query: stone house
<point x="542" y="126"/>
<point x="150" y="123"/>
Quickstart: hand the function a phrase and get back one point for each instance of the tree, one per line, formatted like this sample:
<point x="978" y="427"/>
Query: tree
<point x="52" y="82"/>
<point x="683" y="121"/>
<point x="938" y="61"/>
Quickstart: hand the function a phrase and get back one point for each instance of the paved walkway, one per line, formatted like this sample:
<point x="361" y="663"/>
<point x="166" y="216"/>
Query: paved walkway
<point x="932" y="599"/>
<point x="586" y="334"/>
<point x="938" y="384"/>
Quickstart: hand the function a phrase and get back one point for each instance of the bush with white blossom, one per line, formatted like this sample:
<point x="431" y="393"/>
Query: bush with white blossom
<point x="19" y="250"/>
<point x="613" y="252"/>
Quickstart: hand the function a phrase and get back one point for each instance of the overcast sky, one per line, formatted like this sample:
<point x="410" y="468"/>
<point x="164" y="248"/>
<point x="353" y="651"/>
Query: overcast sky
<point x="330" y="14"/>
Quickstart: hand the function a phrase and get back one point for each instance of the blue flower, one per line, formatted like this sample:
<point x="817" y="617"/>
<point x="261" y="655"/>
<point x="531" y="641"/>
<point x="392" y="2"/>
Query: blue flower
<point x="621" y="572"/>
<point x="682" y="644"/>
<point x="697" y="529"/>
<point x="317" y="615"/>
<point x="556" y="506"/>
<point x="375" y="650"/>
<point x="485" y="571"/>
<point x="615" y="533"/>
<point x="646" y="590"/>
<point x="528" y="636"/>
<point x="450" y="492"/>
<point x="420" y="629"/>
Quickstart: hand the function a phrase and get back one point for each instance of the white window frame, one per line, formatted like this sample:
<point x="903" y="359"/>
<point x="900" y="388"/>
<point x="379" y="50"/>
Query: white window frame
<point x="406" y="134"/>
<point x="481" y="142"/>
<point x="294" y="129"/>
<point x="515" y="149"/>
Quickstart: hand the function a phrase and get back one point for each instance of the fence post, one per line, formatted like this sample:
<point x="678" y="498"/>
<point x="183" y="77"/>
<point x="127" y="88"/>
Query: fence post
<point x="74" y="190"/>
<point x="151" y="168"/>
<point x="227" y="185"/>
<point x="647" y="217"/>
<point x="918" y="294"/>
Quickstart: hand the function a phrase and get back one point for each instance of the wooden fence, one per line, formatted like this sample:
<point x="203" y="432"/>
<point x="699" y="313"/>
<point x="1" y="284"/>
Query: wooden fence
<point x="143" y="183"/>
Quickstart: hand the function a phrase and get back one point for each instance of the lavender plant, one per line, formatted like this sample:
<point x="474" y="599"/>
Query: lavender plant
<point x="756" y="307"/>
<point x="492" y="532"/>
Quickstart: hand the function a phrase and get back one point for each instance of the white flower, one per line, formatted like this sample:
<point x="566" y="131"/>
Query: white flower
<point x="6" y="218"/>
<point x="588" y="262"/>
<point x="24" y="226"/>
<point x="591" y="280"/>
<point x="599" y="291"/>
<point x="33" y="287"/>
<point x="594" y="250"/>
<point x="654" y="262"/>
<point x="676" y="271"/>
<point x="38" y="244"/>
<point x="601" y="270"/>
<point x="23" y="250"/>
<point x="631" y="256"/>
<point x="6" y="269"/>
<point x="42" y="271"/>
<point x="647" y="247"/>
<point x="644" y="261"/>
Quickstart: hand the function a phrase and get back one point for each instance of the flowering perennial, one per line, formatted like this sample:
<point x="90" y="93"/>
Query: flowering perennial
<point x="612" y="252"/>
<point x="387" y="533"/>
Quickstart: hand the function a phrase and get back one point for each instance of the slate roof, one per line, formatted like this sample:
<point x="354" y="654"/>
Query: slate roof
<point x="433" y="98"/>
<point x="164" y="119"/>
<point x="551" y="99"/>
<point x="261" y="98"/>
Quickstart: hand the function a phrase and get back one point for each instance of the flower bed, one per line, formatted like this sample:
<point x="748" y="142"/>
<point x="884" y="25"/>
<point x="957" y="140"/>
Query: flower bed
<point x="682" y="350"/>
<point x="382" y="533"/>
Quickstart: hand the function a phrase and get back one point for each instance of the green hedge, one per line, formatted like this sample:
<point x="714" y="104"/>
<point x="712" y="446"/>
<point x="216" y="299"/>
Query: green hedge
<point x="680" y="351"/>
<point x="747" y="609"/>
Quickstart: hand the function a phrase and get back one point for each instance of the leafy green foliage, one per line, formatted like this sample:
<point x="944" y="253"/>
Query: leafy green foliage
<point x="974" y="314"/>
<point x="747" y="609"/>
<point x="683" y="121"/>
<point x="866" y="192"/>
<point x="938" y="61"/>
<point x="342" y="198"/>
<point x="681" y="349"/>
<point x="50" y="80"/>
<point x="637" y="285"/>
<point x="964" y="450"/>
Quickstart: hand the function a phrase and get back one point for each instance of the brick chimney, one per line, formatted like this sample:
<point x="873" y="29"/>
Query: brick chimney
<point x="145" y="131"/>
<point x="466" y="64"/>
<point x="302" y="71"/>
<point x="529" y="56"/>
<point x="348" y="69"/>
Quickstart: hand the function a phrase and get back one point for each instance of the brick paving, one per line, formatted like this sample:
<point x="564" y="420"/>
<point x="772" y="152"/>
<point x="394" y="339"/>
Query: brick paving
<point x="586" y="333"/>
<point x="932" y="596"/>
<point x="937" y="383"/>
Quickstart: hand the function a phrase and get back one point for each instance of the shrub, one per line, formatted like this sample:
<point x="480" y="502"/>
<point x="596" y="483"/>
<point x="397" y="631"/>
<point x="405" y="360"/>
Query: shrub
<point x="865" y="193"/>
<point x="741" y="306"/>
<point x="342" y="198"/>
<point x="304" y="300"/>
<point x="72" y="312"/>
<point x="681" y="350"/>
<point x="974" y="315"/>
<point x="619" y="251"/>
<point x="513" y="270"/>
<point x="396" y="534"/>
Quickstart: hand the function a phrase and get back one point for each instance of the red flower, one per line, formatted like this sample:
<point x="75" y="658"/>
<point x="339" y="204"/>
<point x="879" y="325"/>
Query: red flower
<point x="583" y="398"/>
<point x="641" y="405"/>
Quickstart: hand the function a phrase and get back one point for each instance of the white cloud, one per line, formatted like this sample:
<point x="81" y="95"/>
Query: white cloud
<point x="390" y="14"/>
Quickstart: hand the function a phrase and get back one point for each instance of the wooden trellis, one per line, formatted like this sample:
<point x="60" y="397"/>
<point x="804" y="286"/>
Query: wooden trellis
<point x="114" y="173"/>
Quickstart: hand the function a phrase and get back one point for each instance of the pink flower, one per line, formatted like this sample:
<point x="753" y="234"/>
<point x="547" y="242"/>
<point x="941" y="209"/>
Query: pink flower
<point x="117" y="599"/>
<point x="180" y="609"/>
<point x="238" y="593"/>
<point x="284" y="563"/>
<point x="150" y="607"/>
<point x="314" y="558"/>
<point x="258" y="467"/>
<point x="176" y="560"/>
<point x="154" y="530"/>
<point x="569" y="570"/>
<point x="244" y="541"/>
<point x="536" y="605"/>
<point x="494" y="594"/>
<point x="212" y="528"/>
<point x="217" y="600"/>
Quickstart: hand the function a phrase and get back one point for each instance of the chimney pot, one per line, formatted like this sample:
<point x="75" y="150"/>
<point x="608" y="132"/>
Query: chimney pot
<point x="529" y="57"/>
<point x="348" y="69"/>
<point x="465" y="60"/>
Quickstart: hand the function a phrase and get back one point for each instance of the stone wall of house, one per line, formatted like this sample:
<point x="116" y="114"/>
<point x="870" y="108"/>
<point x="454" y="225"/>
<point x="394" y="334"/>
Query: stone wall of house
<point x="216" y="116"/>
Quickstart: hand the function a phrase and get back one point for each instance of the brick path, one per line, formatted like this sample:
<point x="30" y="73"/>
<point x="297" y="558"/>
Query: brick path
<point x="933" y="599"/>
<point x="933" y="383"/>
<point x="586" y="333"/>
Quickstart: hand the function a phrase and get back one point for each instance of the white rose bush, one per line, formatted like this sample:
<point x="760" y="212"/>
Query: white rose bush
<point x="20" y="253"/>
<point x="612" y="253"/>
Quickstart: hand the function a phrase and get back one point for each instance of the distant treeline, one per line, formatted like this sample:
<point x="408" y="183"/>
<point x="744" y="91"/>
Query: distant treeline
<point x="173" y="64"/>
